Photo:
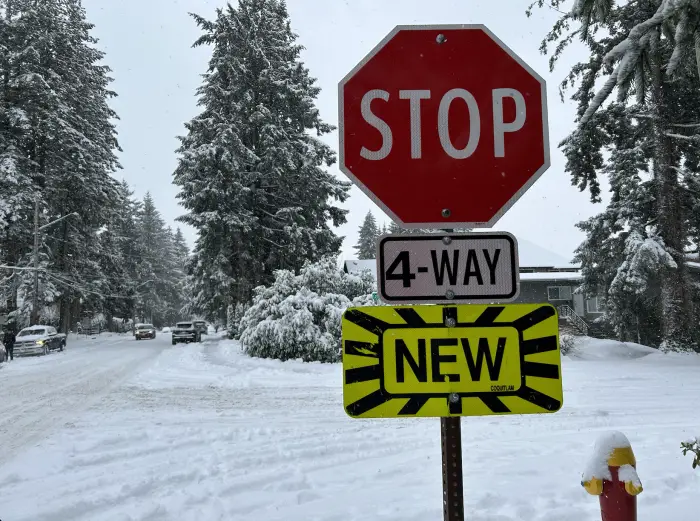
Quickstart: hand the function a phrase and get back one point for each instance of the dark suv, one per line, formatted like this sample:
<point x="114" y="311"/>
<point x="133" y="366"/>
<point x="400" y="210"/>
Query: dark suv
<point x="201" y="327"/>
<point x="185" y="332"/>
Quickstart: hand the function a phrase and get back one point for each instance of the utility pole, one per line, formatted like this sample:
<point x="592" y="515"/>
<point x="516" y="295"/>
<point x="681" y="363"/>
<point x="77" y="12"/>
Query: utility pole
<point x="35" y="306"/>
<point x="34" y="319"/>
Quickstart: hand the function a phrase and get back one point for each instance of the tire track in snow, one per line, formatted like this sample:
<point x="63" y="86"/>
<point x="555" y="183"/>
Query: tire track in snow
<point x="40" y="397"/>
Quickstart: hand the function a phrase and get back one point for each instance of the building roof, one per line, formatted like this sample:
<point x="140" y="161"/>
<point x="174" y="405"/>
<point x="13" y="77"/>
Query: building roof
<point x="533" y="256"/>
<point x="571" y="276"/>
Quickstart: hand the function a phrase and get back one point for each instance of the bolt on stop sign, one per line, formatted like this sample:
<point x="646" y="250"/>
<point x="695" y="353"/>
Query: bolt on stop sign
<point x="443" y="126"/>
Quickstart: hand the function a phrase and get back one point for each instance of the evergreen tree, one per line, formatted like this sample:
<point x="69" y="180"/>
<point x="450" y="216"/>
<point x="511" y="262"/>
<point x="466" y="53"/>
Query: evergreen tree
<point x="115" y="262"/>
<point x="160" y="269"/>
<point x="367" y="241"/>
<point x="644" y="51"/>
<point x="251" y="175"/>
<point x="395" y="228"/>
<point x="58" y="143"/>
<point x="182" y="251"/>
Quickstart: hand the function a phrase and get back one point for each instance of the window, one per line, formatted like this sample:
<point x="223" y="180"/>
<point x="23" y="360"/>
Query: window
<point x="559" y="292"/>
<point x="30" y="332"/>
<point x="595" y="305"/>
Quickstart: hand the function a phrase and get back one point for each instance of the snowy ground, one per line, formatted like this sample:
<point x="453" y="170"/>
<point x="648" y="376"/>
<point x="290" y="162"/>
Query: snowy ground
<point x="119" y="430"/>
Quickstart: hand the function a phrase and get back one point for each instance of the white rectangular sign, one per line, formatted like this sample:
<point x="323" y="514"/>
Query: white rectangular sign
<point x="450" y="267"/>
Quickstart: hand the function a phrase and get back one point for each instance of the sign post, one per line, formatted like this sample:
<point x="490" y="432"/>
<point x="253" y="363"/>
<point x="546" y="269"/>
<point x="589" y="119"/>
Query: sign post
<point x="445" y="126"/>
<point x="451" y="428"/>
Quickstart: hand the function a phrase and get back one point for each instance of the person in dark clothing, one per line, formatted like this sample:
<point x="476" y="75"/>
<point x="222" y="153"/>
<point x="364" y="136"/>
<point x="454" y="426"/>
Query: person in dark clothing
<point x="9" y="340"/>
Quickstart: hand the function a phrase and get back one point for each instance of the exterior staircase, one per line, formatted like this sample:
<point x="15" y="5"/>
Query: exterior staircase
<point x="571" y="323"/>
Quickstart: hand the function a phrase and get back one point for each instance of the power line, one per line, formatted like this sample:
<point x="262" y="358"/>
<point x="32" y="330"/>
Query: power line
<point x="74" y="285"/>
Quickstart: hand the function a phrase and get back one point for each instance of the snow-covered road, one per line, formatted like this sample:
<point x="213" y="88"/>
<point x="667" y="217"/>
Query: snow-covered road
<point x="42" y="394"/>
<point x="203" y="433"/>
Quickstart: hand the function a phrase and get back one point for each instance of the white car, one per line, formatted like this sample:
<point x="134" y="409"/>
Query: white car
<point x="3" y="353"/>
<point x="165" y="330"/>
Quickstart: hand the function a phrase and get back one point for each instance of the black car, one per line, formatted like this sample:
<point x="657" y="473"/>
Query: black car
<point x="145" y="331"/>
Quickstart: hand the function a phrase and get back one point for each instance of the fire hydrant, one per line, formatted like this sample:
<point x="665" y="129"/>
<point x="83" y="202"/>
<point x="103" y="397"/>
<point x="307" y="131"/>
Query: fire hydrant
<point x="612" y="475"/>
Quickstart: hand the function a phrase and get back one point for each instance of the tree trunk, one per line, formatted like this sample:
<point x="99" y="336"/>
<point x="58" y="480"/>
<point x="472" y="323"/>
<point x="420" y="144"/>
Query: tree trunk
<point x="65" y="312"/>
<point x="74" y="314"/>
<point x="675" y="302"/>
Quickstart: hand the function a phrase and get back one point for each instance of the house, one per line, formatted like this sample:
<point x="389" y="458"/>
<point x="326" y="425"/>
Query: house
<point x="544" y="277"/>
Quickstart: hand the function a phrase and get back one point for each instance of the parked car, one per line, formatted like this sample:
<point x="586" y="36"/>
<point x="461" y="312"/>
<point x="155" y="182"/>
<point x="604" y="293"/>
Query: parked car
<point x="185" y="332"/>
<point x="3" y="353"/>
<point x="39" y="340"/>
<point x="165" y="330"/>
<point x="145" y="331"/>
<point x="201" y="326"/>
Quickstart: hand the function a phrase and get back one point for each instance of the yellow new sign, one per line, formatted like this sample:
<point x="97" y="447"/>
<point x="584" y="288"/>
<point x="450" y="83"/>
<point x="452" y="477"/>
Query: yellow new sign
<point x="469" y="360"/>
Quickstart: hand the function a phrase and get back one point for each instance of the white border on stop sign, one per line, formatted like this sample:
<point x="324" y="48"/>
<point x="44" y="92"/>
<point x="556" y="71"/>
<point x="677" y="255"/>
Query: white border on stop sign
<point x="446" y="223"/>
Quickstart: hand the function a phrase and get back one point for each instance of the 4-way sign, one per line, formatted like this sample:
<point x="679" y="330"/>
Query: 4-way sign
<point x="443" y="268"/>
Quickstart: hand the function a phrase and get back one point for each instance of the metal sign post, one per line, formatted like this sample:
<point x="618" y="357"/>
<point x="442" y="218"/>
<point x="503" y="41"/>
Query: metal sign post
<point x="452" y="487"/>
<point x="451" y="437"/>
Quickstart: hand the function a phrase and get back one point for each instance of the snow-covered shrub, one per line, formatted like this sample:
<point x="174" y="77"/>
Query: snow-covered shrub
<point x="299" y="316"/>
<point x="567" y="343"/>
<point x="692" y="446"/>
<point x="49" y="316"/>
<point x="234" y="315"/>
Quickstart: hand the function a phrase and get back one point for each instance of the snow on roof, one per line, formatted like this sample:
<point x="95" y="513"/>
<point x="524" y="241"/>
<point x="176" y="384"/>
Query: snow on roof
<point x="553" y="275"/>
<point x="530" y="255"/>
<point x="356" y="266"/>
<point x="533" y="256"/>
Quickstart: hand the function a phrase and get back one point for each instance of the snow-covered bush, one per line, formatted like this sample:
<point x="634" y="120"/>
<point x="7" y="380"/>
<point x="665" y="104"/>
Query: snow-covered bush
<point x="692" y="446"/>
<point x="567" y="343"/>
<point x="299" y="316"/>
<point x="234" y="315"/>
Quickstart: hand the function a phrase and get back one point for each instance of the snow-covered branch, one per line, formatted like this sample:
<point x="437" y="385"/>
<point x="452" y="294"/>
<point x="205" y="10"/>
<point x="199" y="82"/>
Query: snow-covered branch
<point x="681" y="136"/>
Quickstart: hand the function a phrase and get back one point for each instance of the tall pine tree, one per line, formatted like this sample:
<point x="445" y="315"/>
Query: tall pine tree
<point x="250" y="172"/>
<point x="645" y="51"/>
<point x="58" y="144"/>
<point x="366" y="246"/>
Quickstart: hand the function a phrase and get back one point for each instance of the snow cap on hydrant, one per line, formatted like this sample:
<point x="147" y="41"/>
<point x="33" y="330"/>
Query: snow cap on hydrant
<point x="611" y="474"/>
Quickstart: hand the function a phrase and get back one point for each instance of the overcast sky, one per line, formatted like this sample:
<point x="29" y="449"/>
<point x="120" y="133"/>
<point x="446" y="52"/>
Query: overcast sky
<point x="156" y="72"/>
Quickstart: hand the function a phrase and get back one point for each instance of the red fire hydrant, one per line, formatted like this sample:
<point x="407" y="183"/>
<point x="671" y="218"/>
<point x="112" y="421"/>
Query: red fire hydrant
<point x="612" y="475"/>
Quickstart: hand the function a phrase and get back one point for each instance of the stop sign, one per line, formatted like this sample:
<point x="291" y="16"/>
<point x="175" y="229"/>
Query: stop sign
<point x="443" y="126"/>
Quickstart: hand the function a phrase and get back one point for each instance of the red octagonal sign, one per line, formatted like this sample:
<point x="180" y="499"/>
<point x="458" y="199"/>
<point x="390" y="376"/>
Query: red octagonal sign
<point x="443" y="126"/>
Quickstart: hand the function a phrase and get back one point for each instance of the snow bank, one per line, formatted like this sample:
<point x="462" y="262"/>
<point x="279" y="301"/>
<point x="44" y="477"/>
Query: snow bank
<point x="224" y="364"/>
<point x="588" y="348"/>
